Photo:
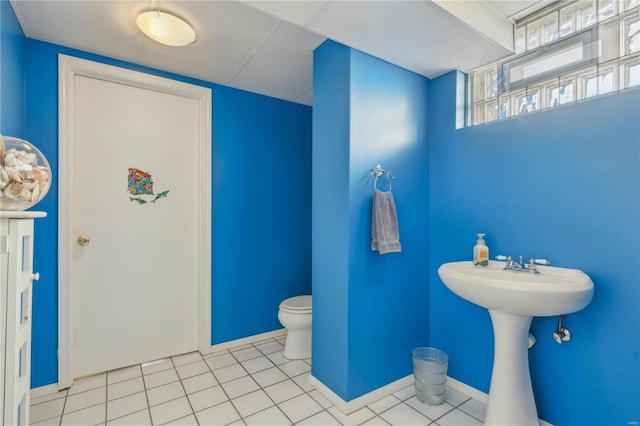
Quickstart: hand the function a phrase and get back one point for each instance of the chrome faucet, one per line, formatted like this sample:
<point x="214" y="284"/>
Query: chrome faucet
<point x="520" y="266"/>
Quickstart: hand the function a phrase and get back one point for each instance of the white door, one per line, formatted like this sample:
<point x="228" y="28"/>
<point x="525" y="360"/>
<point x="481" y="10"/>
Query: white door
<point x="135" y="225"/>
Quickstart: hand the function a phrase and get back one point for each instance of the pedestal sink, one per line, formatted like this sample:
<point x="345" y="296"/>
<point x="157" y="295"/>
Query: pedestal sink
<point x="512" y="299"/>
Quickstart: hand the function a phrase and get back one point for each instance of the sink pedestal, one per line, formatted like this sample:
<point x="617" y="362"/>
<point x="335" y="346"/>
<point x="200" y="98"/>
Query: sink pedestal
<point x="513" y="299"/>
<point x="511" y="399"/>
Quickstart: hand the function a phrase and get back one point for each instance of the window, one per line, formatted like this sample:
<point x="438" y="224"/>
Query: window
<point x="565" y="53"/>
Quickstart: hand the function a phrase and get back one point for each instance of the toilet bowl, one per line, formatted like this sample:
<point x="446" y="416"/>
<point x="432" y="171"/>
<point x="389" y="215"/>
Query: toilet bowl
<point x="295" y="316"/>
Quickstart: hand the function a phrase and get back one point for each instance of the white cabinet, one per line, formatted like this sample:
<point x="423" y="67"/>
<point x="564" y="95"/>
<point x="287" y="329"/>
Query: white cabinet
<point x="16" y="277"/>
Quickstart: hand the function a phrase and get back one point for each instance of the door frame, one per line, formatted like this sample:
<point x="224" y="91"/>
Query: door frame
<point x="68" y="68"/>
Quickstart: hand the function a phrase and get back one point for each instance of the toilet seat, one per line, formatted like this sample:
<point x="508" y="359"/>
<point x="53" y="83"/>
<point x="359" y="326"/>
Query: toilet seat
<point x="297" y="305"/>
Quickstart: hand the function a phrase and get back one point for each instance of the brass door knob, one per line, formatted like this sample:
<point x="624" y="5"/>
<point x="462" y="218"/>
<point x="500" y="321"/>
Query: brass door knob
<point x="83" y="240"/>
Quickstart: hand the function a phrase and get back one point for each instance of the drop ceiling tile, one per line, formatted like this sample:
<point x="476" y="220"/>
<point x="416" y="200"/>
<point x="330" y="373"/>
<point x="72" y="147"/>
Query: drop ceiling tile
<point x="284" y="65"/>
<point x="296" y="12"/>
<point x="228" y="35"/>
<point x="481" y="17"/>
<point x="103" y="27"/>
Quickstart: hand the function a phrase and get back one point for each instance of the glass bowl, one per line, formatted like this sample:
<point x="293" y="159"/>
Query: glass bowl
<point x="25" y="174"/>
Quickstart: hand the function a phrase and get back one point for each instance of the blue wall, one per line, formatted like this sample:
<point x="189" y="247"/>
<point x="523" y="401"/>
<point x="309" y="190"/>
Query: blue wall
<point x="12" y="85"/>
<point x="330" y="215"/>
<point x="369" y="309"/>
<point x="261" y="211"/>
<point x="564" y="185"/>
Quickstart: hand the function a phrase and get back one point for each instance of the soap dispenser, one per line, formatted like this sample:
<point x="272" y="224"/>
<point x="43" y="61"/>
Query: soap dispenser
<point x="480" y="252"/>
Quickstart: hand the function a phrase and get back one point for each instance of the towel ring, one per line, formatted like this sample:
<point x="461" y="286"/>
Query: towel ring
<point x="389" y="177"/>
<point x="378" y="171"/>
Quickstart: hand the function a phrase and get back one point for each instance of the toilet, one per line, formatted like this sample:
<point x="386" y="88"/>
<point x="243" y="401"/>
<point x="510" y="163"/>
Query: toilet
<point x="295" y="316"/>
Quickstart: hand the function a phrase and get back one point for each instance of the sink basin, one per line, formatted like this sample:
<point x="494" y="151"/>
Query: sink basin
<point x="512" y="299"/>
<point x="554" y="291"/>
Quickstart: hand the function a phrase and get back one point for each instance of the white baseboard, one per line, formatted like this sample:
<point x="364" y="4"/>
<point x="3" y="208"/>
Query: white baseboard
<point x="348" y="407"/>
<point x="467" y="390"/>
<point x="248" y="340"/>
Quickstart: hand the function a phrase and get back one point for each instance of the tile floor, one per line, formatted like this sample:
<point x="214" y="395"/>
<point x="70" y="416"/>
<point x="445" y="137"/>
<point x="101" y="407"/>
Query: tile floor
<point x="245" y="385"/>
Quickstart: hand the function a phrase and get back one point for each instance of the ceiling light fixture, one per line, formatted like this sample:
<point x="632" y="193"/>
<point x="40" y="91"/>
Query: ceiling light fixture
<point x="166" y="28"/>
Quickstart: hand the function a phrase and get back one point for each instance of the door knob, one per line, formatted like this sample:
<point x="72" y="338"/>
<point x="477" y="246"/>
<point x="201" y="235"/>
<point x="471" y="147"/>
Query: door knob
<point x="83" y="240"/>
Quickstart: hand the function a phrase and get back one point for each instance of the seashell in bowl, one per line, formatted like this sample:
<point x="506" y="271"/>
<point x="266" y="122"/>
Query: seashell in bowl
<point x="25" y="174"/>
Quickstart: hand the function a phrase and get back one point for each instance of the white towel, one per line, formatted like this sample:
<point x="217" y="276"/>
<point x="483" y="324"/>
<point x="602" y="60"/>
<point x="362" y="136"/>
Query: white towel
<point x="385" y="235"/>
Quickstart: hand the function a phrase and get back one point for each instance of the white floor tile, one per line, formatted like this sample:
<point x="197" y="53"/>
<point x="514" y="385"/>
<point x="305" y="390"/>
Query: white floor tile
<point x="161" y="394"/>
<point x="192" y="369"/>
<point x="458" y="418"/>
<point x="282" y="391"/>
<point x="303" y="381"/>
<point x="278" y="358"/>
<point x="376" y="421"/>
<point x="126" y="405"/>
<point x="269" y="417"/>
<point x="199" y="382"/>
<point x="220" y="414"/>
<point x="252" y="403"/>
<point x="231" y="372"/>
<point x="245" y="354"/>
<point x="46" y="410"/>
<point x="221" y="360"/>
<point x="257" y="364"/>
<point x="270" y="347"/>
<point x="157" y="365"/>
<point x="355" y="418"/>
<point x="54" y="421"/>
<point x="405" y="393"/>
<point x="189" y="420"/>
<point x="323" y="418"/>
<point x="295" y="368"/>
<point x="240" y="386"/>
<point x="300" y="408"/>
<point x="207" y="398"/>
<point x="169" y="411"/>
<point x="88" y="416"/>
<point x="140" y="418"/>
<point x="87" y="383"/>
<point x="187" y="358"/>
<point x="431" y="411"/>
<point x="320" y="399"/>
<point x="128" y="387"/>
<point x="474" y="408"/>
<point x="402" y="414"/>
<point x="455" y="397"/>
<point x="269" y="376"/>
<point x="245" y="388"/>
<point x="384" y="404"/>
<point x="86" y="399"/>
<point x="160" y="378"/>
<point x="123" y="374"/>
<point x="49" y="397"/>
